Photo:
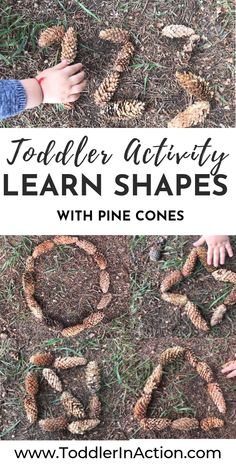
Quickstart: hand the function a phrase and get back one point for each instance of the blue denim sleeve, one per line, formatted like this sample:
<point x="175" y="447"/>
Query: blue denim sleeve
<point x="13" y="98"/>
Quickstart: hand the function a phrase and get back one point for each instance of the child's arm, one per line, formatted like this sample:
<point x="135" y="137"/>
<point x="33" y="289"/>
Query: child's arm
<point x="230" y="369"/>
<point x="218" y="247"/>
<point x="60" y="84"/>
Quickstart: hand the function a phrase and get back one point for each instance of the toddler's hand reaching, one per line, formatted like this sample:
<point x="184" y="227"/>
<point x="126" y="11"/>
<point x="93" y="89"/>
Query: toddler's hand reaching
<point x="218" y="247"/>
<point x="230" y="369"/>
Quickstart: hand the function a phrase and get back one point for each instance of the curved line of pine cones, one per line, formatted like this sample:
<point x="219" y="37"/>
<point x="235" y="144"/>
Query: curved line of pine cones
<point x="189" y="308"/>
<point x="153" y="382"/>
<point x="75" y="418"/>
<point x="29" y="283"/>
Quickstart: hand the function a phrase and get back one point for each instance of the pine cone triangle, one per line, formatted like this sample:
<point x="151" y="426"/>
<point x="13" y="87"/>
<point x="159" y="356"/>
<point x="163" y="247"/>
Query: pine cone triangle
<point x="82" y="426"/>
<point x="155" y="424"/>
<point x="185" y="424"/>
<point x="69" y="362"/>
<point x="210" y="423"/>
<point x="94" y="407"/>
<point x="171" y="354"/>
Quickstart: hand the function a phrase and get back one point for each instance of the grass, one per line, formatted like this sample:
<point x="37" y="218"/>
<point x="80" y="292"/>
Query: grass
<point x="88" y="11"/>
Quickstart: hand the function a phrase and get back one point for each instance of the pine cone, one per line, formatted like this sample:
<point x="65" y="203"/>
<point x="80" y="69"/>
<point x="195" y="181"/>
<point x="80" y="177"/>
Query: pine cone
<point x="73" y="330"/>
<point x="124" y="109"/>
<point x="175" y="298"/>
<point x="177" y="31"/>
<point x="231" y="298"/>
<point x="195" y="85"/>
<point x="185" y="424"/>
<point x="171" y="279"/>
<point x="192" y="115"/>
<point x="28" y="283"/>
<point x="51" y="35"/>
<point x="88" y="247"/>
<point x="34" y="307"/>
<point x="104" y="281"/>
<point x="29" y="265"/>
<point x="153" y="380"/>
<point x="89" y="322"/>
<point x="217" y="396"/>
<point x="69" y="362"/>
<point x="218" y="315"/>
<point x="43" y="248"/>
<point x="210" y="423"/>
<point x="100" y="260"/>
<point x="53" y="424"/>
<point x="205" y="372"/>
<point x="31" y="409"/>
<point x="153" y="424"/>
<point x="65" y="240"/>
<point x="94" y="407"/>
<point x="107" y="89"/>
<point x="93" y="377"/>
<point x="81" y="427"/>
<point x="105" y="301"/>
<point x="224" y="275"/>
<point x="124" y="57"/>
<point x="195" y="316"/>
<point x="52" y="379"/>
<point x="202" y="255"/>
<point x="190" y="263"/>
<point x="190" y="358"/>
<point x="69" y="45"/>
<point x="42" y="359"/>
<point x="171" y="354"/>
<point x="188" y="48"/>
<point x="31" y="383"/>
<point x="72" y="406"/>
<point x="141" y="406"/>
<point x="115" y="35"/>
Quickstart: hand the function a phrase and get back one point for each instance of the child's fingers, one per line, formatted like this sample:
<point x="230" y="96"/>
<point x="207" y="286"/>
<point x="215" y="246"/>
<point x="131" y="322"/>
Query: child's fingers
<point x="77" y="88"/>
<point x="222" y="255"/>
<point x="231" y="375"/>
<point x="72" y="70"/>
<point x="199" y="242"/>
<point x="61" y="65"/>
<point x="216" y="256"/>
<point x="229" y="249"/>
<point x="74" y="97"/>
<point x="210" y="255"/>
<point x="229" y="367"/>
<point x="77" y="78"/>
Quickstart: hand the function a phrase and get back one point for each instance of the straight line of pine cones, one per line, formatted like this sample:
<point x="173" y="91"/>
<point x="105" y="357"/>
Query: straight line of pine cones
<point x="123" y="109"/>
<point x="75" y="417"/>
<point x="154" y="381"/>
<point x="190" y="309"/>
<point x="29" y="282"/>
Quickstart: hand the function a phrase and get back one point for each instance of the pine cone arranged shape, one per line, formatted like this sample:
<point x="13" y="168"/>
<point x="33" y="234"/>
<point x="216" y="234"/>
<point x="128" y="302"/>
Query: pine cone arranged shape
<point x="190" y="263"/>
<point x="43" y="248"/>
<point x="53" y="424"/>
<point x="87" y="247"/>
<point x="31" y="383"/>
<point x="153" y="424"/>
<point x="31" y="409"/>
<point x="177" y="31"/>
<point x="93" y="377"/>
<point x="100" y="260"/>
<point x="195" y="85"/>
<point x="69" y="362"/>
<point x="69" y="45"/>
<point x="231" y="298"/>
<point x="72" y="405"/>
<point x="65" y="240"/>
<point x="171" y="354"/>
<point x="192" y="115"/>
<point x="124" y="56"/>
<point x="141" y="406"/>
<point x="89" y="322"/>
<point x="42" y="359"/>
<point x="51" y="35"/>
<point x="105" y="301"/>
<point x="153" y="380"/>
<point x="195" y="316"/>
<point x="190" y="358"/>
<point x="107" y="89"/>
<point x="224" y="275"/>
<point x="115" y="35"/>
<point x="171" y="279"/>
<point x="82" y="426"/>
<point x="175" y="298"/>
<point x="202" y="255"/>
<point x="210" y="423"/>
<point x="94" y="407"/>
<point x="29" y="265"/>
<point x="104" y="281"/>
<point x="34" y="307"/>
<point x="205" y="372"/>
<point x="185" y="424"/>
<point x="28" y="284"/>
<point x="217" y="396"/>
<point x="124" y="110"/>
<point x="218" y="315"/>
<point x="52" y="379"/>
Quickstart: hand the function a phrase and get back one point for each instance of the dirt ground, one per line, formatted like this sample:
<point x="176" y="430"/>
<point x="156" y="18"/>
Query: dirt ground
<point x="151" y="76"/>
<point x="137" y="328"/>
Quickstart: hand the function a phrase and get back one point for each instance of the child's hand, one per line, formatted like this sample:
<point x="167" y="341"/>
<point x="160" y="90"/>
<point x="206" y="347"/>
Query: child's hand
<point x="230" y="369"/>
<point x="62" y="83"/>
<point x="218" y="247"/>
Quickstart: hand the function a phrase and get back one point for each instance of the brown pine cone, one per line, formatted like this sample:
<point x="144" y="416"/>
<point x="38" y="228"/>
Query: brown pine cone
<point x="43" y="248"/>
<point x="190" y="358"/>
<point x="105" y="301"/>
<point x="124" y="110"/>
<point x="73" y="330"/>
<point x="29" y="265"/>
<point x="72" y="405"/>
<point x="31" y="409"/>
<point x="175" y="298"/>
<point x="177" y="31"/>
<point x="210" y="423"/>
<point x="188" y="48"/>
<point x="195" y="85"/>
<point x="218" y="315"/>
<point x="94" y="407"/>
<point x="124" y="57"/>
<point x="28" y="283"/>
<point x="51" y="35"/>
<point x="155" y="424"/>
<point x="88" y="247"/>
<point x="231" y="298"/>
<point x="195" y="316"/>
<point x="193" y="115"/>
<point x="104" y="281"/>
<point x="93" y="377"/>
<point x="53" y="424"/>
<point x="107" y="89"/>
<point x="52" y="379"/>
<point x="224" y="275"/>
<point x="141" y="406"/>
<point x="31" y="383"/>
<point x="153" y="380"/>
<point x="69" y="362"/>
<point x="93" y="319"/>
<point x="69" y="45"/>
<point x="217" y="396"/>
<point x="205" y="372"/>
<point x="171" y="279"/>
<point x="42" y="359"/>
<point x="100" y="260"/>
<point x="171" y="354"/>
<point x="190" y="263"/>
<point x="185" y="424"/>
<point x="82" y="426"/>
<point x="65" y="240"/>
<point x="115" y="35"/>
<point x="34" y="307"/>
<point x="202" y="255"/>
